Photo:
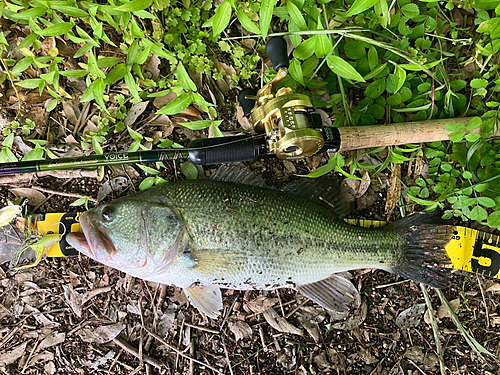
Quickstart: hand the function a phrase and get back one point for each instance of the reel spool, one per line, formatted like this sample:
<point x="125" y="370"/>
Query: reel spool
<point x="292" y="126"/>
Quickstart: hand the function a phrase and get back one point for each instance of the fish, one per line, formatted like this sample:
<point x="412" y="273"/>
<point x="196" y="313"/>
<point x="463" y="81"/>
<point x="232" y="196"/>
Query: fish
<point x="208" y="235"/>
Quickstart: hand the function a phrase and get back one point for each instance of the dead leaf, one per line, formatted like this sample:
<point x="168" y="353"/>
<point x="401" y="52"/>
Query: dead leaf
<point x="50" y="368"/>
<point x="73" y="299"/>
<point x="279" y="323"/>
<point x="355" y="319"/>
<point x="34" y="196"/>
<point x="152" y="66"/>
<point x="162" y="101"/>
<point x="322" y="362"/>
<point x="240" y="329"/>
<point x="71" y="111"/>
<point x="493" y="288"/>
<point x="393" y="190"/>
<point x="13" y="355"/>
<point x="244" y="122"/>
<point x="21" y="146"/>
<point x="134" y="112"/>
<point x="47" y="46"/>
<point x="417" y="355"/>
<point x="411" y="317"/>
<point x="51" y="340"/>
<point x="116" y="184"/>
<point x="443" y="310"/>
<point x="102" y="334"/>
<point x="260" y="304"/>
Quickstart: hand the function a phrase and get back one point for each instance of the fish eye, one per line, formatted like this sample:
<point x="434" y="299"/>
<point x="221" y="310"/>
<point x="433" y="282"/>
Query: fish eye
<point x="107" y="214"/>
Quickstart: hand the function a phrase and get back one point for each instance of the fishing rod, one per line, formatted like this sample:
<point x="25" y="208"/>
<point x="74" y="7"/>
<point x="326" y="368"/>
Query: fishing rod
<point x="287" y="125"/>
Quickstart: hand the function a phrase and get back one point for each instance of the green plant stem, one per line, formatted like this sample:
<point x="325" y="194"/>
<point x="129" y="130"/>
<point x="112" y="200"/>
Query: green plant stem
<point x="435" y="328"/>
<point x="477" y="347"/>
<point x="13" y="85"/>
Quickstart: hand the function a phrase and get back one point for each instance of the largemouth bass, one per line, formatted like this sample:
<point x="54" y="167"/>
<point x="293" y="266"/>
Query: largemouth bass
<point x="206" y="235"/>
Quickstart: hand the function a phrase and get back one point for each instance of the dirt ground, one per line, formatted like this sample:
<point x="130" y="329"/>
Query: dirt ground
<point x="74" y="316"/>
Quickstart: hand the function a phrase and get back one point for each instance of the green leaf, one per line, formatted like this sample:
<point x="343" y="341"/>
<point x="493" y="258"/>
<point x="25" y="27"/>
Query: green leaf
<point x="222" y="17"/>
<point x="28" y="41"/>
<point x="410" y="10"/>
<point x="375" y="89"/>
<point x="96" y="145"/>
<point x="342" y="68"/>
<point x="481" y="188"/>
<point x="295" y="70"/>
<point x="116" y="74"/>
<point x="21" y="66"/>
<point x="296" y="15"/>
<point x="478" y="83"/>
<point x="454" y="127"/>
<point x="478" y="213"/>
<point x="458" y="84"/>
<point x="159" y="93"/>
<point x="494" y="219"/>
<point x="177" y="105"/>
<point x="399" y="77"/>
<point x="359" y="6"/>
<point x="135" y="135"/>
<point x="475" y="123"/>
<point x="30" y="83"/>
<point x="93" y="68"/>
<point x="486" y="202"/>
<point x="9" y="140"/>
<point x="55" y="30"/>
<point x="323" y="45"/>
<point x="80" y="201"/>
<point x="107" y="62"/>
<point x="457" y="136"/>
<point x="246" y="22"/>
<point x="372" y="58"/>
<point x="6" y="156"/>
<point x="148" y="169"/>
<point x="72" y="11"/>
<point x="379" y="69"/>
<point x="134" y="5"/>
<point x="472" y="137"/>
<point x="354" y="50"/>
<point x="147" y="183"/>
<point x="184" y="79"/>
<point x="266" y="14"/>
<point x="305" y="49"/>
<point x="73" y="73"/>
<point x="189" y="170"/>
<point x="132" y="85"/>
<point x="35" y="154"/>
<point x="98" y="92"/>
<point x="197" y="125"/>
<point x="52" y="105"/>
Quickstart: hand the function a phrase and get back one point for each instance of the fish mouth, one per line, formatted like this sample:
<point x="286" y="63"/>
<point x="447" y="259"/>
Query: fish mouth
<point x="93" y="242"/>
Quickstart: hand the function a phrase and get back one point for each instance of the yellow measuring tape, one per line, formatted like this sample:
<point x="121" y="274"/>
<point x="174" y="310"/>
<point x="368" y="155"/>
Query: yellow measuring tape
<point x="469" y="250"/>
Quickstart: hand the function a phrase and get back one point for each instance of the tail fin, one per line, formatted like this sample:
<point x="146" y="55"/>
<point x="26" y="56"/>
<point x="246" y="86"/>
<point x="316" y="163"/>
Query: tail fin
<point x="423" y="249"/>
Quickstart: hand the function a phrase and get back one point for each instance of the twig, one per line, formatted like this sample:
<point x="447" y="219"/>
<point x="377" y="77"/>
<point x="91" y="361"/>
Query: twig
<point x="279" y="300"/>
<point x="227" y="356"/>
<point x="72" y="195"/>
<point x="435" y="329"/>
<point x="191" y="362"/>
<point x="131" y="350"/>
<point x="484" y="301"/>
<point x="203" y="329"/>
<point x="181" y="353"/>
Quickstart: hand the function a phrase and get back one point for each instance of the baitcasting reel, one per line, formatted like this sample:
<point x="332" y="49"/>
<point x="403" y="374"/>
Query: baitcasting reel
<point x="292" y="127"/>
<point x="288" y="123"/>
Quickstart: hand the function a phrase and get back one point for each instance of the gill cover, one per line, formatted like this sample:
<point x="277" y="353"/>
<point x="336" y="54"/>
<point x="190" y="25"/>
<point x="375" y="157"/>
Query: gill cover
<point x="137" y="237"/>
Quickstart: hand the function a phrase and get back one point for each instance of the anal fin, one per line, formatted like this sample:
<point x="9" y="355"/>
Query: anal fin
<point x="206" y="298"/>
<point x="335" y="293"/>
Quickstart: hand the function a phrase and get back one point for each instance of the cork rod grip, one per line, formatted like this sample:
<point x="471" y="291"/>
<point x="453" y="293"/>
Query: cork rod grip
<point x="359" y="137"/>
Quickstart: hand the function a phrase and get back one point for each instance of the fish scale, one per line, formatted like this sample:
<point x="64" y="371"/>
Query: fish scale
<point x="205" y="235"/>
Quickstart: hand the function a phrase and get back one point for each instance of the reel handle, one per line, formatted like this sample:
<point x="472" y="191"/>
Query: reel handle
<point x="247" y="104"/>
<point x="208" y="151"/>
<point x="276" y="50"/>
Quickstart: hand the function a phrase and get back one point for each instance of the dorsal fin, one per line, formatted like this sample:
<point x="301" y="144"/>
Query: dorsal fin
<point x="239" y="175"/>
<point x="326" y="191"/>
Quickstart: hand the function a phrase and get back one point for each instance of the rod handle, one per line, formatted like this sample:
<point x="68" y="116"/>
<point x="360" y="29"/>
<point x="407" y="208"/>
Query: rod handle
<point x="276" y="50"/>
<point x="207" y="151"/>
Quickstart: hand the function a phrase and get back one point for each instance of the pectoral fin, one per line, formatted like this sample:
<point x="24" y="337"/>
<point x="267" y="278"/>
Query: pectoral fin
<point x="207" y="299"/>
<point x="335" y="293"/>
